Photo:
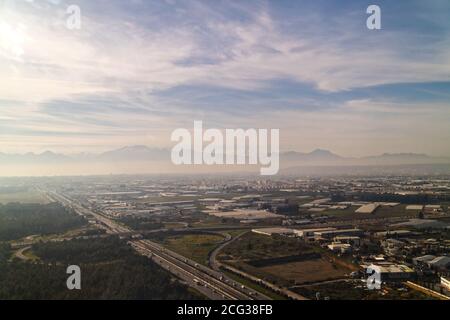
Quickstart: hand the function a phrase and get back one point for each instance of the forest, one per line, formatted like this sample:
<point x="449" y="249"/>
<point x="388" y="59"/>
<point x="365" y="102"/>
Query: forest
<point x="110" y="269"/>
<point x="18" y="220"/>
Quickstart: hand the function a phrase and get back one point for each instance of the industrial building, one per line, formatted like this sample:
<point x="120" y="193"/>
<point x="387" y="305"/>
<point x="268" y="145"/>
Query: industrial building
<point x="438" y="263"/>
<point x="414" y="207"/>
<point x="309" y="233"/>
<point x="393" y="233"/>
<point x="392" y="247"/>
<point x="422" y="260"/>
<point x="340" y="247"/>
<point x="430" y="208"/>
<point x="392" y="272"/>
<point x="356" y="241"/>
<point x="273" y="231"/>
<point x="328" y="234"/>
<point x="368" y="208"/>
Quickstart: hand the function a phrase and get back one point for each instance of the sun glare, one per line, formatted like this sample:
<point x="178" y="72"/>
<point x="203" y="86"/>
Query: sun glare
<point x="12" y="39"/>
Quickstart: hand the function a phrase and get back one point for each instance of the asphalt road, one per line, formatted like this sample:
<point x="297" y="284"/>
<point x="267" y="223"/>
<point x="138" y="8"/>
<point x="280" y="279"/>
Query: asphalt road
<point x="213" y="284"/>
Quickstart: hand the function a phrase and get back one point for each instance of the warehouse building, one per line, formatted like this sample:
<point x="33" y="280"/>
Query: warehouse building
<point x="356" y="241"/>
<point x="274" y="231"/>
<point x="339" y="247"/>
<point x="368" y="208"/>
<point x="309" y="233"/>
<point x="328" y="234"/>
<point x="437" y="263"/>
<point x="414" y="207"/>
<point x="392" y="272"/>
<point x="440" y="263"/>
<point x="393" y="233"/>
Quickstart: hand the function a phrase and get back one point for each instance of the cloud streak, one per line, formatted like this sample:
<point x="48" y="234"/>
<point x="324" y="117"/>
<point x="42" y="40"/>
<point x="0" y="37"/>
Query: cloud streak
<point x="138" y="70"/>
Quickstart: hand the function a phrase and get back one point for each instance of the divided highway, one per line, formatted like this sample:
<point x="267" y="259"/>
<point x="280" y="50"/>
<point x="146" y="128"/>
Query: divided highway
<point x="213" y="284"/>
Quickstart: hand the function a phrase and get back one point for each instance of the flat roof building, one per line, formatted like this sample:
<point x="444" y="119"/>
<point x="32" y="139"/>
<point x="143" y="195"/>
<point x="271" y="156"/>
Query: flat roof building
<point x="368" y="208"/>
<point x="328" y="234"/>
<point x="421" y="224"/>
<point x="393" y="272"/>
<point x="423" y="259"/>
<point x="390" y="233"/>
<point x="414" y="207"/>
<point x="340" y="247"/>
<point x="440" y="263"/>
<point x="272" y="231"/>
<point x="308" y="233"/>
<point x="353" y="240"/>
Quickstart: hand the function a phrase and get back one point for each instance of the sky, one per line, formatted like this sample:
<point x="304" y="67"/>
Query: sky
<point x="137" y="70"/>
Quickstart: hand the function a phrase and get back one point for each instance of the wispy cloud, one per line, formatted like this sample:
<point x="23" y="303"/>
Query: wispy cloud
<point x="136" y="70"/>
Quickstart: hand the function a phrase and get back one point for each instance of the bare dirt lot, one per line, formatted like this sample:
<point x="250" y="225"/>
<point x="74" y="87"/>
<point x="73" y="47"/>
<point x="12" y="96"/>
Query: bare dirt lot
<point x="307" y="271"/>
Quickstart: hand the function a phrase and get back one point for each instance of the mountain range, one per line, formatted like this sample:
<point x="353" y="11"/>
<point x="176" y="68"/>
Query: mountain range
<point x="139" y="153"/>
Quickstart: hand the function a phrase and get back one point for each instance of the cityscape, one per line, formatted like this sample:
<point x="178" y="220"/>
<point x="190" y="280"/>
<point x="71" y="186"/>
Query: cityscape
<point x="243" y="237"/>
<point x="257" y="154"/>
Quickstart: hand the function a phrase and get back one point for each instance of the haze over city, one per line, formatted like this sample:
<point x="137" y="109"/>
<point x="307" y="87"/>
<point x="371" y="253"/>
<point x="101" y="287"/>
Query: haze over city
<point x="254" y="152"/>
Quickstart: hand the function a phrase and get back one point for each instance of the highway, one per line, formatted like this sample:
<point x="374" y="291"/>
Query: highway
<point x="213" y="284"/>
<point x="20" y="254"/>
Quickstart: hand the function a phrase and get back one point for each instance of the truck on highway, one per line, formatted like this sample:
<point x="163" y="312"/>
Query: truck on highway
<point x="197" y="282"/>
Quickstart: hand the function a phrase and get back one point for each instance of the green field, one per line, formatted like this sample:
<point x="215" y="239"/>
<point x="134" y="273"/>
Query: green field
<point x="252" y="246"/>
<point x="22" y="196"/>
<point x="283" y="260"/>
<point x="194" y="246"/>
<point x="235" y="233"/>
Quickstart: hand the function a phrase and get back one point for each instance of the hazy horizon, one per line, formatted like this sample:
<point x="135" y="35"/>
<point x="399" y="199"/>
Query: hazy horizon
<point x="136" y="71"/>
<point x="101" y="151"/>
<point x="271" y="151"/>
<point x="145" y="160"/>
